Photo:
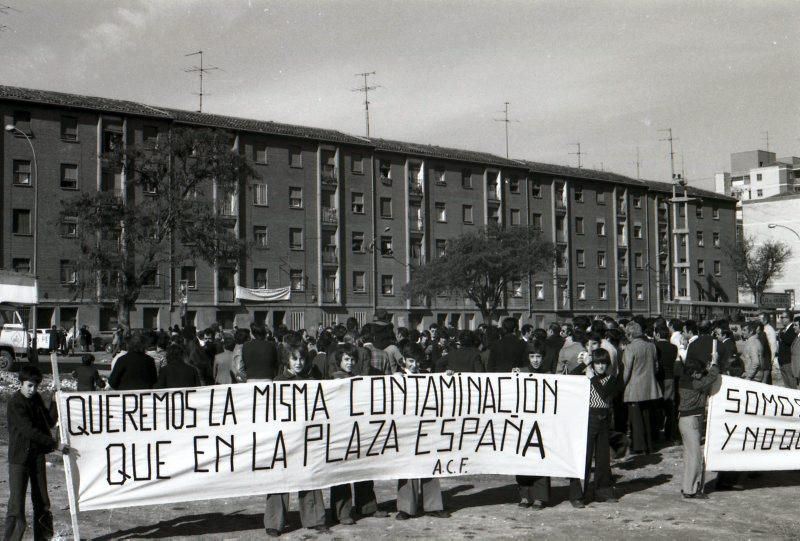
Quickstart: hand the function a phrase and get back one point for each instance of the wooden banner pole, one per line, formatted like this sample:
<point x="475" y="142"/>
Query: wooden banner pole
<point x="62" y="427"/>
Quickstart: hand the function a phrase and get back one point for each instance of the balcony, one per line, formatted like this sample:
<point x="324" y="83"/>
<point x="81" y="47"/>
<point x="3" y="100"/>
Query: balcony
<point x="420" y="301"/>
<point x="225" y="294"/>
<point x="492" y="193"/>
<point x="561" y="205"/>
<point x="386" y="181"/>
<point x="622" y="242"/>
<point x="622" y="212"/>
<point x="330" y="215"/>
<point x="623" y="275"/>
<point x="561" y="237"/>
<point x="414" y="188"/>
<point x="562" y="270"/>
<point x="330" y="296"/>
<point x="416" y="225"/>
<point x="330" y="255"/>
<point x="329" y="178"/>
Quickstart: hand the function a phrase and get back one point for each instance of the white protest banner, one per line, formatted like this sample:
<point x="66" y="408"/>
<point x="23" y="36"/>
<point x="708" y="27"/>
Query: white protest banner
<point x="752" y="427"/>
<point x="171" y="445"/>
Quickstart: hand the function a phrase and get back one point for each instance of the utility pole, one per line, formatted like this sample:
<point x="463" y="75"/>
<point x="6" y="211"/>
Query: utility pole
<point x="682" y="229"/>
<point x="638" y="164"/>
<point x="578" y="154"/>
<point x="505" y="120"/>
<point x="766" y="137"/>
<point x="365" y="89"/>
<point x="201" y="70"/>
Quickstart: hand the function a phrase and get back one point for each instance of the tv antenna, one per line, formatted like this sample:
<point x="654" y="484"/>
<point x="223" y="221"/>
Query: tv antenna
<point x="505" y="120"/>
<point x="766" y="138"/>
<point x="365" y="89"/>
<point x="200" y="70"/>
<point x="578" y="154"/>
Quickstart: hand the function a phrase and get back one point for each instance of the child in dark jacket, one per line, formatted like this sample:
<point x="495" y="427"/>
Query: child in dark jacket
<point x="409" y="490"/>
<point x="534" y="491"/>
<point x="312" y="505"/>
<point x="29" y="440"/>
<point x="87" y="376"/>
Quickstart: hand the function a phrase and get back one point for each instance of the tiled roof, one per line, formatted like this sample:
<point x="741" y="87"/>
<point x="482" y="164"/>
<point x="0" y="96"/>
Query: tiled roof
<point x="706" y="194"/>
<point x="264" y="126"/>
<point x="434" y="151"/>
<point x="80" y="102"/>
<point x="575" y="172"/>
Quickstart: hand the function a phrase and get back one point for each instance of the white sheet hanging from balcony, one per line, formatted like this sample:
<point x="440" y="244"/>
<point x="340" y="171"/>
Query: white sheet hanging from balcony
<point x="263" y="295"/>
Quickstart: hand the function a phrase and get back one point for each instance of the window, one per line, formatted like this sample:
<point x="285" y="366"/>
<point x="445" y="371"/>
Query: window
<point x="536" y="190"/>
<point x="601" y="260"/>
<point x="715" y="239"/>
<point x="701" y="267"/>
<point x="69" y="226"/>
<point x="68" y="273"/>
<point x="759" y="193"/>
<point x="637" y="231"/>
<point x="260" y="235"/>
<point x="758" y="176"/>
<point x="260" y="153"/>
<point x="466" y="214"/>
<point x="441" y="247"/>
<point x="357" y="200"/>
<point x="683" y="240"/>
<point x="600" y="197"/>
<point x="387" y="284"/>
<point x="386" y="172"/>
<point x="639" y="291"/>
<point x="386" y="245"/>
<point x="359" y="281"/>
<point x="513" y="185"/>
<point x="112" y="138"/>
<point x="69" y="128"/>
<point x="580" y="258"/>
<point x="698" y="211"/>
<point x="22" y="265"/>
<point x="22" y="121"/>
<point x="260" y="278"/>
<point x="717" y="268"/>
<point x="515" y="217"/>
<point x="715" y="213"/>
<point x="538" y="291"/>
<point x="637" y="201"/>
<point x="295" y="157"/>
<point x="439" y="176"/>
<point x="151" y="280"/>
<point x="579" y="194"/>
<point x="601" y="228"/>
<point x="21" y="221"/>
<point x="295" y="238"/>
<point x="516" y="288"/>
<point x="681" y="211"/>
<point x="700" y="240"/>
<point x="22" y="172"/>
<point x="638" y="260"/>
<point x="69" y="176"/>
<point x="441" y="212"/>
<point x="295" y="197"/>
<point x="466" y="179"/>
<point x="296" y="280"/>
<point x="260" y="194"/>
<point x="357" y="164"/>
<point x="358" y="242"/>
<point x="581" y="291"/>
<point x="579" y="225"/>
<point x="189" y="275"/>
<point x="602" y="291"/>
<point x="536" y="221"/>
<point x="386" y="207"/>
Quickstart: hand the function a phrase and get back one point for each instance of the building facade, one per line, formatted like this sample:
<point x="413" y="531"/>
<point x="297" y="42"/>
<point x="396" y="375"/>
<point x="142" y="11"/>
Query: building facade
<point x="341" y="220"/>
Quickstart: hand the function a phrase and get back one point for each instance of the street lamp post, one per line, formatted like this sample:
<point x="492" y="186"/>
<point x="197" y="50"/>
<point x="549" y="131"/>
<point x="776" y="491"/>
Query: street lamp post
<point x="10" y="128"/>
<point x="773" y="226"/>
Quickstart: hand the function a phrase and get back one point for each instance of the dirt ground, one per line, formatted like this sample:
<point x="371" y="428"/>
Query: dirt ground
<point x="483" y="507"/>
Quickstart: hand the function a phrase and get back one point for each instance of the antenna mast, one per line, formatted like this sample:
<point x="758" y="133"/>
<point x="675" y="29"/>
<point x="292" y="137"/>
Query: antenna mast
<point x="505" y="120"/>
<point x="200" y="70"/>
<point x="578" y="154"/>
<point x="365" y="89"/>
<point x="766" y="137"/>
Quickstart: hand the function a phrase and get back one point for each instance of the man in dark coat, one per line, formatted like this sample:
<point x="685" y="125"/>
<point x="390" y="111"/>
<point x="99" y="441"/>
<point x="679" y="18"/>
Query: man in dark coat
<point x="383" y="329"/>
<point x="509" y="351"/>
<point x="465" y="357"/>
<point x="552" y="347"/>
<point x="786" y="337"/>
<point x="134" y="370"/>
<point x="259" y="359"/>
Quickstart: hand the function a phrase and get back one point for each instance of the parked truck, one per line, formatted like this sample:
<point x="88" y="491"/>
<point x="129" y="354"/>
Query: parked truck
<point x="16" y="290"/>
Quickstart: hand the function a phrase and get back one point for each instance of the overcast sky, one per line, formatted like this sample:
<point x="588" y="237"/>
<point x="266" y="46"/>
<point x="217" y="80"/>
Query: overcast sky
<point x="606" y="74"/>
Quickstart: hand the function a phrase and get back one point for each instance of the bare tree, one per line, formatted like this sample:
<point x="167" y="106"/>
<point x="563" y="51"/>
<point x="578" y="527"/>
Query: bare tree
<point x="757" y="264"/>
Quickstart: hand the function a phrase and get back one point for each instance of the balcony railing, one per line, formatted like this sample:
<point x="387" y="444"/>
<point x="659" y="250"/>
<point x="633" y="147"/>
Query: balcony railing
<point x="330" y="215"/>
<point x="225" y="294"/>
<point x="416" y="224"/>
<point x="386" y="181"/>
<point x="561" y="236"/>
<point x="560" y="204"/>
<point x="415" y="188"/>
<point x="622" y="211"/>
<point x="492" y="194"/>
<point x="329" y="177"/>
<point x="330" y="255"/>
<point x="623" y="275"/>
<point x="330" y="296"/>
<point x="622" y="241"/>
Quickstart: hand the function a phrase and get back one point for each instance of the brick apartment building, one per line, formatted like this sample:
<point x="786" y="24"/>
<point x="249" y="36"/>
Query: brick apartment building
<point x="341" y="220"/>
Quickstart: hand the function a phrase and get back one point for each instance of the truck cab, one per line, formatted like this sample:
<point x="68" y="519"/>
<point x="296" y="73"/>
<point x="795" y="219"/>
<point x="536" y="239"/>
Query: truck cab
<point x="14" y="340"/>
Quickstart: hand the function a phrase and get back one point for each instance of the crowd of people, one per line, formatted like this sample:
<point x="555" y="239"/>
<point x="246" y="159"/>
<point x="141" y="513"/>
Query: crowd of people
<point x="650" y="379"/>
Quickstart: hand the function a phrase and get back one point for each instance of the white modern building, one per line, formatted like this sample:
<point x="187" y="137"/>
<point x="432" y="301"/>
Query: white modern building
<point x="776" y="218"/>
<point x="758" y="174"/>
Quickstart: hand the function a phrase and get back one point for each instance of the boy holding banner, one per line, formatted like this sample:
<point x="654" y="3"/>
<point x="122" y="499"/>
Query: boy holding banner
<point x="408" y="490"/>
<point x="312" y="505"/>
